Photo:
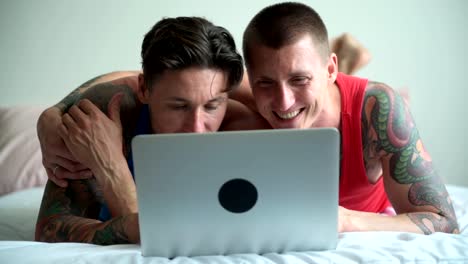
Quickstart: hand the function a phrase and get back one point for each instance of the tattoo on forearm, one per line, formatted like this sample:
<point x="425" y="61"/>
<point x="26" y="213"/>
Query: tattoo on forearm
<point x="112" y="233"/>
<point x="396" y="137"/>
<point x="70" y="215"/>
<point x="433" y="193"/>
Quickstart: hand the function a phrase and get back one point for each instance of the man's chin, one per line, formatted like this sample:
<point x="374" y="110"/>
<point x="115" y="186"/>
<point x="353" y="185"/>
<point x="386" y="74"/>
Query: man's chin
<point x="282" y="124"/>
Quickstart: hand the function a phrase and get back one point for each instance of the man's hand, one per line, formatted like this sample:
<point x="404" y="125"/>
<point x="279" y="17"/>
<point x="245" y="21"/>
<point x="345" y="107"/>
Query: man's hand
<point x="59" y="163"/>
<point x="96" y="142"/>
<point x="343" y="219"/>
<point x="92" y="137"/>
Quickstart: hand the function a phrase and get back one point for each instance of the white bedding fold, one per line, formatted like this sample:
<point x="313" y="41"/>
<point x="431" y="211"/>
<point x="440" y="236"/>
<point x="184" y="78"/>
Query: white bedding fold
<point x="368" y="247"/>
<point x="358" y="247"/>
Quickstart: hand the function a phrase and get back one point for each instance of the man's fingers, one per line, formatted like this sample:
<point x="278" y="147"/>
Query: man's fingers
<point x="66" y="164"/>
<point x="61" y="174"/>
<point x="78" y="115"/>
<point x="63" y="132"/>
<point x="88" y="107"/>
<point x="60" y="182"/>
<point x="68" y="121"/>
<point x="63" y="152"/>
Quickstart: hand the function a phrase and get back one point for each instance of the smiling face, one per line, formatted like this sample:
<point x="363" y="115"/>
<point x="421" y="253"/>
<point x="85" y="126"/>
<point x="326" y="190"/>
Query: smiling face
<point x="291" y="84"/>
<point x="189" y="100"/>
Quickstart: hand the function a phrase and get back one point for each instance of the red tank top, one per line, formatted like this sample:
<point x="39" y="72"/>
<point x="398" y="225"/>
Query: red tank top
<point x="356" y="192"/>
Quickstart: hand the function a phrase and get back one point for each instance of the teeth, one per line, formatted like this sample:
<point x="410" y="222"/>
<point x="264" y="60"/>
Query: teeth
<point x="289" y="115"/>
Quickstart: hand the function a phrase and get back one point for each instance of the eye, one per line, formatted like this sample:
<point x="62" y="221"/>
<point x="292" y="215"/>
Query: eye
<point x="300" y="80"/>
<point x="264" y="83"/>
<point x="212" y="106"/>
<point x="178" y="107"/>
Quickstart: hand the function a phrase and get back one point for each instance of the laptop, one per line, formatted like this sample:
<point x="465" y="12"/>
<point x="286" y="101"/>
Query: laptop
<point x="236" y="192"/>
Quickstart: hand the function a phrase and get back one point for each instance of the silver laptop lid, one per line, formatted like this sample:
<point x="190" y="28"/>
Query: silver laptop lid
<point x="237" y="192"/>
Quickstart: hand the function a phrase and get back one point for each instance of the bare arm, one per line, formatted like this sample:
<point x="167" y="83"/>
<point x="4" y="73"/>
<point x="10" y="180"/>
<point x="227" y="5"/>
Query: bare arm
<point x="413" y="186"/>
<point x="69" y="215"/>
<point x="99" y="90"/>
<point x="82" y="91"/>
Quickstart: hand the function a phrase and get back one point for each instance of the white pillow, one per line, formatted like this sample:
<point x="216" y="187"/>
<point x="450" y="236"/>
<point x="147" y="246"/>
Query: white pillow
<point x="19" y="212"/>
<point x="20" y="155"/>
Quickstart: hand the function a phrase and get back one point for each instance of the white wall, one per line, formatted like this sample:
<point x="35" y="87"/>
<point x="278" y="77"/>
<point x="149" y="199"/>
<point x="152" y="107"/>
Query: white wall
<point x="49" y="47"/>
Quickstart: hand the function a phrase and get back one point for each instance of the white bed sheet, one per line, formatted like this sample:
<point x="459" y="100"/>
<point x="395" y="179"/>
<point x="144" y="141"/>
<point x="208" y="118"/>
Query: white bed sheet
<point x="18" y="212"/>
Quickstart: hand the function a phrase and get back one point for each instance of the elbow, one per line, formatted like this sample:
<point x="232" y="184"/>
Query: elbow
<point x="40" y="234"/>
<point x="451" y="225"/>
<point x="44" y="231"/>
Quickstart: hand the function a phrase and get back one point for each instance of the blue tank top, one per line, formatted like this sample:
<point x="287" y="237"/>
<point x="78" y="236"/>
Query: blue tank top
<point x="143" y="127"/>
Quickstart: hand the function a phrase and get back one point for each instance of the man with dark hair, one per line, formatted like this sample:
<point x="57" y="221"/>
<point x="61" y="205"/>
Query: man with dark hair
<point x="296" y="84"/>
<point x="189" y="65"/>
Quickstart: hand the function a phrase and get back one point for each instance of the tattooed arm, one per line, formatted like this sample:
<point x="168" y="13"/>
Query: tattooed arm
<point x="56" y="157"/>
<point x="414" y="188"/>
<point x="68" y="215"/>
<point x="81" y="91"/>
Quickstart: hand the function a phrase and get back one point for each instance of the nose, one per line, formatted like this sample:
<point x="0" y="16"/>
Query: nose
<point x="284" y="98"/>
<point x="195" y="123"/>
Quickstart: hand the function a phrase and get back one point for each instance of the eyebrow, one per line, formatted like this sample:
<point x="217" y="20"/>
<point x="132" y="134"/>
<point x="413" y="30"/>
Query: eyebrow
<point x="182" y="100"/>
<point x="291" y="74"/>
<point x="217" y="99"/>
<point x="263" y="77"/>
<point x="177" y="99"/>
<point x="300" y="73"/>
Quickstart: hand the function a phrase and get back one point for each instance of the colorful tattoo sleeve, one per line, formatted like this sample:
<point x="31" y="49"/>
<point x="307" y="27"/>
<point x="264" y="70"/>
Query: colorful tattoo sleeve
<point x="391" y="132"/>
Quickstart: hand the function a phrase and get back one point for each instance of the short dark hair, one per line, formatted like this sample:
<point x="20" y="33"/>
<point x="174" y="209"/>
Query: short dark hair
<point x="183" y="42"/>
<point x="282" y="24"/>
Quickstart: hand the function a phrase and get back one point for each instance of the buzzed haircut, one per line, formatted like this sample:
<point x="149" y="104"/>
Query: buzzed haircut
<point x="282" y="24"/>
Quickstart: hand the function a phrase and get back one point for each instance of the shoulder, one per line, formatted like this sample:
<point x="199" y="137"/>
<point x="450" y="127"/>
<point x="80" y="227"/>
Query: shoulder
<point x="374" y="87"/>
<point x="240" y="117"/>
<point x="381" y="98"/>
<point x="118" y="75"/>
<point x="130" y="81"/>
<point x="386" y="113"/>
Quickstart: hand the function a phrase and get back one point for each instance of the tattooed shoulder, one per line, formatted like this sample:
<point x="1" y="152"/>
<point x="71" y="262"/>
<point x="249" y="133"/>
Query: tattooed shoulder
<point x="371" y="145"/>
<point x="391" y="131"/>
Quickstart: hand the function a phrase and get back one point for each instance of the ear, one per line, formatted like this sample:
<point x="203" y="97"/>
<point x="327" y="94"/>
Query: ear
<point x="332" y="68"/>
<point x="143" y="92"/>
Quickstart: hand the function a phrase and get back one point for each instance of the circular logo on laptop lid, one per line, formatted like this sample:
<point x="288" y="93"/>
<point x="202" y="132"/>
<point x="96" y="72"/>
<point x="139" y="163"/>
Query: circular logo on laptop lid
<point x="238" y="196"/>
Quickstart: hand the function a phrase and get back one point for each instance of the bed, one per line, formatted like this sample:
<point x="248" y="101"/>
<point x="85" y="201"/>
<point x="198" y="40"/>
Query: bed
<point x="22" y="184"/>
